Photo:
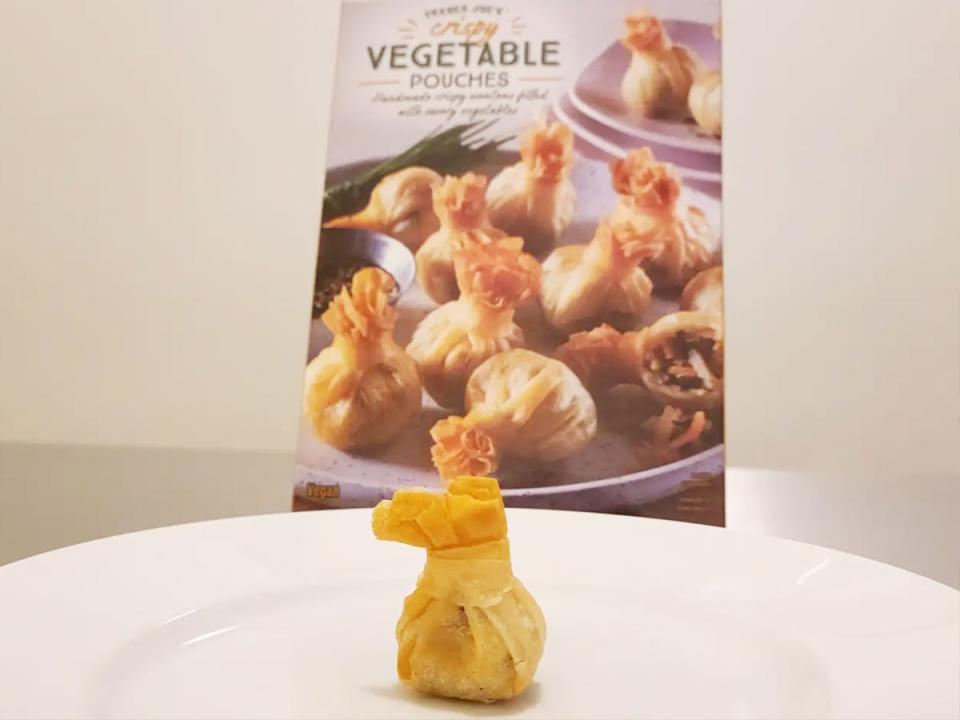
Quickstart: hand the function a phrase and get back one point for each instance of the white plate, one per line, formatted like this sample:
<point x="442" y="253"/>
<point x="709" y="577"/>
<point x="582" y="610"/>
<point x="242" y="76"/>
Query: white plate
<point x="292" y="616"/>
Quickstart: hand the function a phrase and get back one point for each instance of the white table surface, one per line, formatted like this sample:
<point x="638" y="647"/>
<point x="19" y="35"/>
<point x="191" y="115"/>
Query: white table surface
<point x="52" y="496"/>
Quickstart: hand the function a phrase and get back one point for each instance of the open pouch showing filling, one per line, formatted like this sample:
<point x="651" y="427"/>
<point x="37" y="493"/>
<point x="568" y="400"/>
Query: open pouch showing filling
<point x="680" y="359"/>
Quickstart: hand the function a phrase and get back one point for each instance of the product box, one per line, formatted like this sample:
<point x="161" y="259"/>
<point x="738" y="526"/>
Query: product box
<point x="519" y="267"/>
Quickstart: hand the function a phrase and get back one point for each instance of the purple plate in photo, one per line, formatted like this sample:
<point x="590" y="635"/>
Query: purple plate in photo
<point x="693" y="166"/>
<point x="596" y="93"/>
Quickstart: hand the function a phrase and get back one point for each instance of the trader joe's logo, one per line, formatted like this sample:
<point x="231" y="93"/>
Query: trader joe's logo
<point x="467" y="60"/>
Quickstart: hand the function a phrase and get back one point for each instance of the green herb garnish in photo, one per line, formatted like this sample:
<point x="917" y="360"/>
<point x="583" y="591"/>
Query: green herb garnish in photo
<point x="452" y="151"/>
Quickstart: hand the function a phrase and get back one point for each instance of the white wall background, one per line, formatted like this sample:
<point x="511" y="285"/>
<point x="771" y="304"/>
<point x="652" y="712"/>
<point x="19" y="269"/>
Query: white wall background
<point x="160" y="185"/>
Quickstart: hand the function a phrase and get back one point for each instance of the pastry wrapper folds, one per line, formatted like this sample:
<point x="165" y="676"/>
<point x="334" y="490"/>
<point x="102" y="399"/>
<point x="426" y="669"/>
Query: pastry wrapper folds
<point x="586" y="285"/>
<point x="658" y="80"/>
<point x="601" y="360"/>
<point x="470" y="629"/>
<point x="362" y="389"/>
<point x="462" y="445"/>
<point x="400" y="205"/>
<point x="460" y="205"/>
<point x="650" y="206"/>
<point x="518" y="403"/>
<point x="534" y="198"/>
<point x="597" y="357"/>
<point x="706" y="102"/>
<point x="453" y="340"/>
<point x="704" y="292"/>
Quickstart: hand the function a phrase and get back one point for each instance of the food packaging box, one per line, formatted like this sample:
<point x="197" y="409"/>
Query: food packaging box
<point x="519" y="267"/>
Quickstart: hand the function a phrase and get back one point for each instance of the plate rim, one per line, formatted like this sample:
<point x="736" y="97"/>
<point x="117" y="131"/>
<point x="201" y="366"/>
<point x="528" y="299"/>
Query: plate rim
<point x="184" y="582"/>
<point x="310" y="517"/>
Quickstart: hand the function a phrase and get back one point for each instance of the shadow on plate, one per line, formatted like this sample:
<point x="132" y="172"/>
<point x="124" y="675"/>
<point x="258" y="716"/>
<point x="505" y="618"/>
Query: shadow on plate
<point x="463" y="708"/>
